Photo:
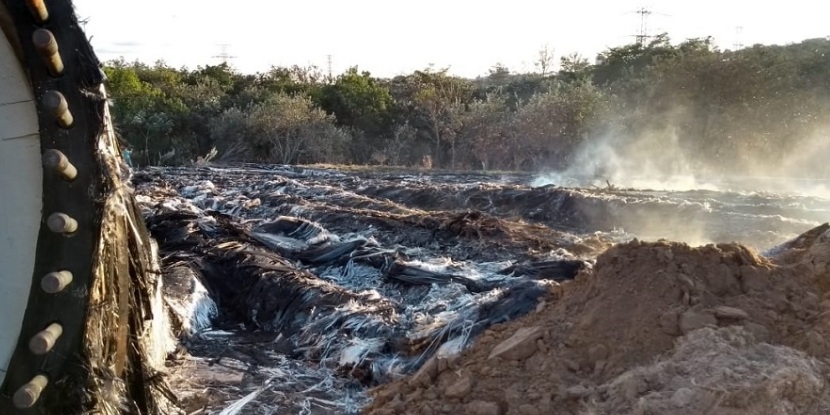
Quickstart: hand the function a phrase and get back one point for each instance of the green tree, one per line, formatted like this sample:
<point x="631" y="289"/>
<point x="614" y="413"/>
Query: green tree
<point x="145" y="115"/>
<point x="553" y="125"/>
<point x="358" y="100"/>
<point x="574" y="68"/>
<point x="285" y="129"/>
<point x="485" y="129"/>
<point x="438" y="101"/>
<point x="222" y="74"/>
<point x="292" y="80"/>
<point x="629" y="60"/>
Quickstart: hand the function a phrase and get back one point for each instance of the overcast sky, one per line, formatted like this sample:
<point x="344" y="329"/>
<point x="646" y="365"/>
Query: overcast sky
<point x="396" y="37"/>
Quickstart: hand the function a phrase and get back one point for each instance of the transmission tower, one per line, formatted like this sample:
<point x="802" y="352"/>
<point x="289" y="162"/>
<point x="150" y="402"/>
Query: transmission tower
<point x="642" y="33"/>
<point x="643" y="29"/>
<point x="328" y="63"/>
<point x="739" y="31"/>
<point x="224" y="55"/>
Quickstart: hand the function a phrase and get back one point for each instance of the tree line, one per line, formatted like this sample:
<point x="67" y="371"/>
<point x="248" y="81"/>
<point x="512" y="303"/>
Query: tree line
<point x="725" y="110"/>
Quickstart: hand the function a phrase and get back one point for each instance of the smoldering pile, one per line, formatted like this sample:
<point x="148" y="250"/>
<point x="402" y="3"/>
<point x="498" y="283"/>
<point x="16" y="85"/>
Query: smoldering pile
<point x="361" y="290"/>
<point x="759" y="220"/>
<point x="319" y="283"/>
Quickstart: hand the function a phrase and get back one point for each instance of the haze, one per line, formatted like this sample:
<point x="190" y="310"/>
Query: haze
<point x="391" y="38"/>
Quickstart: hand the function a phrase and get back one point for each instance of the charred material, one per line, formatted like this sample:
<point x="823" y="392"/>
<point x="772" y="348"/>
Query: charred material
<point x="719" y="215"/>
<point x="262" y="288"/>
<point x="418" y="275"/>
<point x="364" y="285"/>
<point x="559" y="271"/>
<point x="304" y="240"/>
<point x="351" y="297"/>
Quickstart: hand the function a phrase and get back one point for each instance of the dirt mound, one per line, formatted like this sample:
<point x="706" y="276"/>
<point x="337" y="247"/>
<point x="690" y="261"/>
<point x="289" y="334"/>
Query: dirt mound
<point x="720" y="371"/>
<point x="654" y="328"/>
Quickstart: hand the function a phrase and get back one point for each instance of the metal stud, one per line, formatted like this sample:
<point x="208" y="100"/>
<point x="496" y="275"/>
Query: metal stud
<point x="38" y="9"/>
<point x="44" y="341"/>
<point x="55" y="102"/>
<point x="55" y="282"/>
<point x="47" y="47"/>
<point x="61" y="223"/>
<point x="57" y="161"/>
<point x="28" y="394"/>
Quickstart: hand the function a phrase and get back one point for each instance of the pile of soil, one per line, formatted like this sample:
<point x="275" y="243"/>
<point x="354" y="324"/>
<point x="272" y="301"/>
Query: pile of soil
<point x="653" y="328"/>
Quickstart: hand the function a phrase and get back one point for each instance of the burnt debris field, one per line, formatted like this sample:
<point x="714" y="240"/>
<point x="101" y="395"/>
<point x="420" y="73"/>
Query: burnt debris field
<point x="319" y="291"/>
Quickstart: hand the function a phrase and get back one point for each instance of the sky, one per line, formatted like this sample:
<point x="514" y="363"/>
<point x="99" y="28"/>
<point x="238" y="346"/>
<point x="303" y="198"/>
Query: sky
<point x="390" y="38"/>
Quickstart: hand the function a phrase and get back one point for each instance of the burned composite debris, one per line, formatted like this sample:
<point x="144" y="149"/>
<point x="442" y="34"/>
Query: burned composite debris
<point x="363" y="287"/>
<point x="320" y="281"/>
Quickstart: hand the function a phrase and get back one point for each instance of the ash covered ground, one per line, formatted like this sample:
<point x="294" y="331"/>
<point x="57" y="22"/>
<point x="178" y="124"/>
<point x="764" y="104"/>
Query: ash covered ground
<point x="301" y="290"/>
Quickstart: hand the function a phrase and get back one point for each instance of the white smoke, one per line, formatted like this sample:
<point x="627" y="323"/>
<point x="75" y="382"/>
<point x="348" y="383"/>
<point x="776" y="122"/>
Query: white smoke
<point x="652" y="161"/>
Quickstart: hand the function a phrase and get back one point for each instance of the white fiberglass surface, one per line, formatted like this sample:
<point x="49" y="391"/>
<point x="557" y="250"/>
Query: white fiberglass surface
<point x="20" y="197"/>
